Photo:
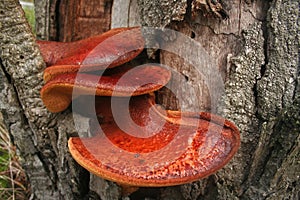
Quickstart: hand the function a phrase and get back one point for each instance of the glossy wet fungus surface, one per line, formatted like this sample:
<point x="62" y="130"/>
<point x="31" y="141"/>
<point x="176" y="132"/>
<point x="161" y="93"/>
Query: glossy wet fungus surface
<point x="136" y="143"/>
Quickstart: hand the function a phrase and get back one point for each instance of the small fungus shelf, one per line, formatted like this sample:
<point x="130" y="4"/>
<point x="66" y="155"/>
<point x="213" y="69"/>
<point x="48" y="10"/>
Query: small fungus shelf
<point x="57" y="93"/>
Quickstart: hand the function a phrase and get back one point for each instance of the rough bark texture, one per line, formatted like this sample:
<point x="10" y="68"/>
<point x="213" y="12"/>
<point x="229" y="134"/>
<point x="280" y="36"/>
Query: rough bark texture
<point x="70" y="20"/>
<point x="256" y="51"/>
<point x="46" y="19"/>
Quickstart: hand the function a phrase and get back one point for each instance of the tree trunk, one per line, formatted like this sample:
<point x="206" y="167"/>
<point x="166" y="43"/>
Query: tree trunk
<point x="255" y="52"/>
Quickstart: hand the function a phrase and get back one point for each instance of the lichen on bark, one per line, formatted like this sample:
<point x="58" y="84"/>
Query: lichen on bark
<point x="274" y="173"/>
<point x="161" y="13"/>
<point x="270" y="135"/>
<point x="240" y="106"/>
<point x="278" y="83"/>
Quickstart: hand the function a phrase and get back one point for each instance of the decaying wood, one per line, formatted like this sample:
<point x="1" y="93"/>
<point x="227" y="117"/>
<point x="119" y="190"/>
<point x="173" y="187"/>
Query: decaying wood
<point x="130" y="16"/>
<point x="256" y="52"/>
<point x="72" y="20"/>
<point x="83" y="18"/>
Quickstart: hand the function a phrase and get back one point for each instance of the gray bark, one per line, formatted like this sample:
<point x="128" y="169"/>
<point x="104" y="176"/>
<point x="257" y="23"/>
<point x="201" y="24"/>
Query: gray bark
<point x="256" y="51"/>
<point x="46" y="19"/>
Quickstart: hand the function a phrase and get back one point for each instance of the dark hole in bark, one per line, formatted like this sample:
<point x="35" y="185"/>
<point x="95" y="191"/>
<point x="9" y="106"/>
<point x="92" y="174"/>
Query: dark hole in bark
<point x="193" y="35"/>
<point x="145" y="193"/>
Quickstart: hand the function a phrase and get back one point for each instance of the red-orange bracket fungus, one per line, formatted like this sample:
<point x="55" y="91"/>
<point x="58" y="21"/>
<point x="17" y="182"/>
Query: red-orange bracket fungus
<point x="143" y="144"/>
<point x="107" y="50"/>
<point x="161" y="148"/>
<point x="57" y="93"/>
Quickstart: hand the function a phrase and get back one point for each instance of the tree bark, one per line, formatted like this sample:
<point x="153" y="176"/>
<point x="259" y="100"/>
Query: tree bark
<point x="70" y="20"/>
<point x="256" y="53"/>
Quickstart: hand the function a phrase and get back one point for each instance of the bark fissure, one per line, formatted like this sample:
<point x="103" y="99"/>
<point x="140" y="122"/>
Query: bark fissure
<point x="54" y="16"/>
<point x="240" y="16"/>
<point x="129" y="6"/>
<point x="215" y="32"/>
<point x="7" y="76"/>
<point x="262" y="68"/>
<point x="297" y="85"/>
<point x="188" y="11"/>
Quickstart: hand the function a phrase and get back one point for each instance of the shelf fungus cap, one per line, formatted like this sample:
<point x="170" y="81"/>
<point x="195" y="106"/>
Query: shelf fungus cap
<point x="161" y="148"/>
<point x="110" y="49"/>
<point x="122" y="81"/>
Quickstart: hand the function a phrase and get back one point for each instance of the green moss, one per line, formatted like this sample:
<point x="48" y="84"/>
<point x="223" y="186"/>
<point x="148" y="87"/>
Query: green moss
<point x="4" y="168"/>
<point x="4" y="157"/>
